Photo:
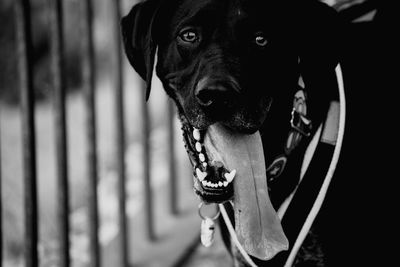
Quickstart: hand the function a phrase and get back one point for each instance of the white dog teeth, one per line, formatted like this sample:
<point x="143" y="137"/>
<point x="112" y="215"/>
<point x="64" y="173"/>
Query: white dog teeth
<point x="196" y="134"/>
<point x="204" y="164"/>
<point x="198" y="146"/>
<point x="206" y="183"/>
<point x="201" y="175"/>
<point x="202" y="157"/>
<point x="230" y="175"/>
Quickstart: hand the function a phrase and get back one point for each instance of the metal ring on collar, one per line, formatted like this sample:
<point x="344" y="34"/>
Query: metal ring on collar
<point x="201" y="215"/>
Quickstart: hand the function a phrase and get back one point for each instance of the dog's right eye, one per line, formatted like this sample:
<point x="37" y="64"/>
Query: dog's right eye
<point x="189" y="36"/>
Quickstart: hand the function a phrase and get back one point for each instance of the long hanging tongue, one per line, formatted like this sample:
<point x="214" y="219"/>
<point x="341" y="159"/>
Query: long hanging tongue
<point x="256" y="223"/>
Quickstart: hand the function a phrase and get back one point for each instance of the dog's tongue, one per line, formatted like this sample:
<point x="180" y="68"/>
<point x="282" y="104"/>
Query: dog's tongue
<point x="257" y="225"/>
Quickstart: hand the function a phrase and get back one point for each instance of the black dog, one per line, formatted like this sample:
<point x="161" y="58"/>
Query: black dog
<point x="233" y="67"/>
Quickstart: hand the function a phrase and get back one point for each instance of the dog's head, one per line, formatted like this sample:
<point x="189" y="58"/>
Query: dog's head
<point x="232" y="68"/>
<point x="229" y="61"/>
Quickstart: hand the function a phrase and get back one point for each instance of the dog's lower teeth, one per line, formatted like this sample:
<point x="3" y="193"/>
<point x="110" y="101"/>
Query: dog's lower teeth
<point x="220" y="184"/>
<point x="226" y="184"/>
<point x="230" y="175"/>
<point x="204" y="183"/>
<point x="204" y="164"/>
<point x="198" y="146"/>
<point x="196" y="134"/>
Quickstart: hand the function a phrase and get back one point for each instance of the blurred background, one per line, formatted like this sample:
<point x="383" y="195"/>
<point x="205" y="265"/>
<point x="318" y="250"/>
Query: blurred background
<point x="161" y="209"/>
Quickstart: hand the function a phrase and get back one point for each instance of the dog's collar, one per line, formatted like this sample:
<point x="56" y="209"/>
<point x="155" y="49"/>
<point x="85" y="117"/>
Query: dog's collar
<point x="300" y="127"/>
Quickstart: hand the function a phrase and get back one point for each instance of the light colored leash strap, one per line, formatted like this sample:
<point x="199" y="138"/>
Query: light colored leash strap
<point x="321" y="196"/>
<point x="234" y="236"/>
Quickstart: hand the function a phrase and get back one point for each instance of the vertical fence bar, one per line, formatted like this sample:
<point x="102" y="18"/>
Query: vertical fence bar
<point x="172" y="168"/>
<point x="24" y="55"/>
<point x="146" y="168"/>
<point x="58" y="63"/>
<point x="120" y="137"/>
<point x="89" y="89"/>
<point x="1" y="209"/>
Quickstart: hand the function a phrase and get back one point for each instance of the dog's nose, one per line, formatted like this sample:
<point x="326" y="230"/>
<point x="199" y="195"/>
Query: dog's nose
<point x="210" y="93"/>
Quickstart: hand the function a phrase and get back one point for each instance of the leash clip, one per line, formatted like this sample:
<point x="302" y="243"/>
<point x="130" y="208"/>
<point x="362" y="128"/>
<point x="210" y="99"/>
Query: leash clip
<point x="300" y="123"/>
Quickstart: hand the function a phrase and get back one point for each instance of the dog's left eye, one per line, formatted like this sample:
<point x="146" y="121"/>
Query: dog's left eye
<point x="260" y="40"/>
<point x="189" y="36"/>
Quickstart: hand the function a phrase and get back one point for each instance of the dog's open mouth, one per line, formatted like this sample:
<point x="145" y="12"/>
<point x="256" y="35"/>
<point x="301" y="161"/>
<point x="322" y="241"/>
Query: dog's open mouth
<point x="213" y="181"/>
<point x="230" y="166"/>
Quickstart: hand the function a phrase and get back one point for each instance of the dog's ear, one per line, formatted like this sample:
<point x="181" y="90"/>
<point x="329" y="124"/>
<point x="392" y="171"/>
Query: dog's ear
<point x="137" y="34"/>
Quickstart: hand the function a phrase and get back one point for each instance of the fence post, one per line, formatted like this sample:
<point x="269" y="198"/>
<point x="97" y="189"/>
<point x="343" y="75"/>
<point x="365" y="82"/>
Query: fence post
<point x="1" y="208"/>
<point x="148" y="201"/>
<point x="120" y="137"/>
<point x="89" y="80"/>
<point x="24" y="55"/>
<point x="172" y="160"/>
<point x="58" y="64"/>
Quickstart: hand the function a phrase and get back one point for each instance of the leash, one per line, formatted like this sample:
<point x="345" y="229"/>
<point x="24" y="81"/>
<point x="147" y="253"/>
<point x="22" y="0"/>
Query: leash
<point x="303" y="125"/>
<point x="324" y="188"/>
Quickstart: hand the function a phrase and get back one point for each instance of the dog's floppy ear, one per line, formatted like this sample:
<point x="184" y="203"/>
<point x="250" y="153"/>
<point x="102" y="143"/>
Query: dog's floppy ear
<point x="138" y="41"/>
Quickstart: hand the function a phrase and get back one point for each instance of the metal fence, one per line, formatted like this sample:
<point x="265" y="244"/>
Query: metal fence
<point x="25" y="71"/>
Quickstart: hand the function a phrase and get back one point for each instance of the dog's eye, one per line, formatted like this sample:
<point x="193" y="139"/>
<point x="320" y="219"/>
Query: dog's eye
<point x="189" y="36"/>
<point x="260" y="40"/>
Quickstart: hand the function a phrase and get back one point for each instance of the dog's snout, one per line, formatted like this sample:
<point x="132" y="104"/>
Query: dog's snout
<point x="210" y="92"/>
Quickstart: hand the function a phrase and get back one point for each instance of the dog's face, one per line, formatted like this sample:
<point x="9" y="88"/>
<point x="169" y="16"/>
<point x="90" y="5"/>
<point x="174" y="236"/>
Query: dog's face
<point x="221" y="61"/>
<point x="217" y="62"/>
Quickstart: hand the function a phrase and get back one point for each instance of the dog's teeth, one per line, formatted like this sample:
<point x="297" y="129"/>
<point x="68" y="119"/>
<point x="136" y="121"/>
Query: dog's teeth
<point x="204" y="164"/>
<point x="220" y="184"/>
<point x="229" y="176"/>
<point x="209" y="184"/>
<point x="204" y="182"/>
<point x="202" y="157"/>
<point x="201" y="175"/>
<point x="226" y="184"/>
<point x="196" y="134"/>
<point x="198" y="146"/>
